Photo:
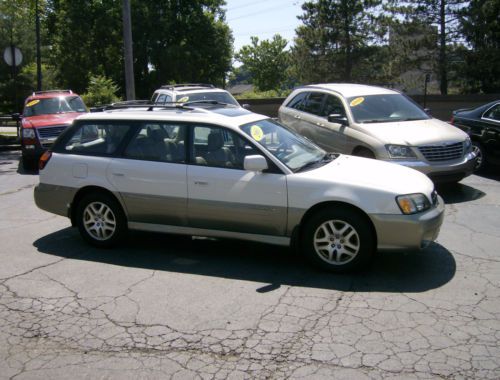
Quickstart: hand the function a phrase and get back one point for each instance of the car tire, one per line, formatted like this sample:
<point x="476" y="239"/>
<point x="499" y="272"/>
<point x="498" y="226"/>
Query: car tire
<point x="338" y="239"/>
<point x="101" y="220"/>
<point x="29" y="163"/>
<point x="481" y="157"/>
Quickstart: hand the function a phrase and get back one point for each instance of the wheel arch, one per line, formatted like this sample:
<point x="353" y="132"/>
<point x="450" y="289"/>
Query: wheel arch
<point x="298" y="231"/>
<point x="362" y="148"/>
<point x="88" y="190"/>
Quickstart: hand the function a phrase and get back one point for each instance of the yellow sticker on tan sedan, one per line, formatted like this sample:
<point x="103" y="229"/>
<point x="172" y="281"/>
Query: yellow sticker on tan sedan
<point x="357" y="101"/>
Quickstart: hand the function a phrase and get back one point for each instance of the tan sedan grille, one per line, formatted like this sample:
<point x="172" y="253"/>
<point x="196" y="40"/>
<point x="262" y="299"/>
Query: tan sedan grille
<point x="444" y="152"/>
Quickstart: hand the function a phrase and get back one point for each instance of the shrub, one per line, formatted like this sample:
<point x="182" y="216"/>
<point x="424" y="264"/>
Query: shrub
<point x="101" y="90"/>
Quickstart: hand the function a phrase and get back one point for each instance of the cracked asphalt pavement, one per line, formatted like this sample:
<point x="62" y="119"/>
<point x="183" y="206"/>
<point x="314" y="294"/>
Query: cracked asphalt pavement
<point x="166" y="306"/>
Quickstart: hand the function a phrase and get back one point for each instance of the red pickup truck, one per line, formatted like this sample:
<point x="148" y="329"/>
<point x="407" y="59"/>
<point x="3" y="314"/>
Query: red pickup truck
<point x="46" y="114"/>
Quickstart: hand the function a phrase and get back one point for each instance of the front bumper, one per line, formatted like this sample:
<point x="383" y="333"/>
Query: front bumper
<point x="443" y="172"/>
<point x="408" y="231"/>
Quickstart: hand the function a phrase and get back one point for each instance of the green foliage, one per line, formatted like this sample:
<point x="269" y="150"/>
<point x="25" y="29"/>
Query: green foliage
<point x="101" y="90"/>
<point x="331" y="42"/>
<point x="180" y="41"/>
<point x="28" y="76"/>
<point x="480" y="23"/>
<point x="266" y="61"/>
<point x="265" y="94"/>
<point x="441" y="14"/>
<point x="17" y="27"/>
<point x="87" y="38"/>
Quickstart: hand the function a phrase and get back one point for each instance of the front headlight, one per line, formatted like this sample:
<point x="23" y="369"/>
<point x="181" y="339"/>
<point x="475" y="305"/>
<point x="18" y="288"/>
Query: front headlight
<point x="400" y="151"/>
<point x="413" y="203"/>
<point x="29" y="133"/>
<point x="467" y="145"/>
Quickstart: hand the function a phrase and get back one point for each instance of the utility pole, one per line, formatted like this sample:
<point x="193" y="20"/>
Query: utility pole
<point x="129" y="61"/>
<point x="38" y="52"/>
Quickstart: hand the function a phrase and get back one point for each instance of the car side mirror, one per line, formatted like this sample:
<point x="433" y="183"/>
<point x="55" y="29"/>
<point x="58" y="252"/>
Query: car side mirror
<point x="16" y="117"/>
<point x="338" y="119"/>
<point x="255" y="163"/>
<point x="428" y="111"/>
<point x="246" y="106"/>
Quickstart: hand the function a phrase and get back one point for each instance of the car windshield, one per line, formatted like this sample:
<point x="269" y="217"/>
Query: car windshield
<point x="385" y="108"/>
<point x="60" y="104"/>
<point x="221" y="97"/>
<point x="291" y="149"/>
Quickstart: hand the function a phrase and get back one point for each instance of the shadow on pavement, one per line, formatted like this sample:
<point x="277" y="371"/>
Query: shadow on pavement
<point x="458" y="193"/>
<point x="390" y="272"/>
<point x="492" y="172"/>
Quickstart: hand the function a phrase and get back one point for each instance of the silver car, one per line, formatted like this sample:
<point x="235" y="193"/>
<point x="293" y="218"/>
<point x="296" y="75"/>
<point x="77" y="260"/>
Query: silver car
<point x="379" y="123"/>
<point x="239" y="175"/>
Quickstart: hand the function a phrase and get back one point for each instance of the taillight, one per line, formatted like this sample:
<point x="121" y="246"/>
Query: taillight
<point x="44" y="159"/>
<point x="452" y="120"/>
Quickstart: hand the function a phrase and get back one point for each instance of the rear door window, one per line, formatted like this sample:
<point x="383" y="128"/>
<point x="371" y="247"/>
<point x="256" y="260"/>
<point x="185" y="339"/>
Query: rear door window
<point x="97" y="138"/>
<point x="298" y="102"/>
<point x="314" y="103"/>
<point x="158" y="142"/>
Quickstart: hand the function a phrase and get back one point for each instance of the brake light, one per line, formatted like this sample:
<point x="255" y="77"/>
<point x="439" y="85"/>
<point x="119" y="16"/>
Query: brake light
<point x="452" y="120"/>
<point x="44" y="159"/>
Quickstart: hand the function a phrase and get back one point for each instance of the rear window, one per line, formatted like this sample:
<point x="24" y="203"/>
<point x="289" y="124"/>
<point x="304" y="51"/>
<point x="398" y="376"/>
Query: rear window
<point x="55" y="105"/>
<point x="96" y="138"/>
<point x="221" y="97"/>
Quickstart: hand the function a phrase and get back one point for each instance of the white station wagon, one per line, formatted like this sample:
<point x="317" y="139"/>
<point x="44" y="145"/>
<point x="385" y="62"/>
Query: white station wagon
<point x="230" y="173"/>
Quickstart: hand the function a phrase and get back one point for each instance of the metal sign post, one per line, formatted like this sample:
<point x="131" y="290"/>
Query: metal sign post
<point x="13" y="57"/>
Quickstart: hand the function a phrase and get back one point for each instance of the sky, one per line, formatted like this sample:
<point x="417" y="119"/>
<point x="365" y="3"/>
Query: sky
<point x="262" y="18"/>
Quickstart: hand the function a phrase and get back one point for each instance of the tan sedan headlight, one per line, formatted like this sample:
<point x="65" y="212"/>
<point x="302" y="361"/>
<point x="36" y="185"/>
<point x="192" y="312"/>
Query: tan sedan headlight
<point x="413" y="203"/>
<point x="400" y="151"/>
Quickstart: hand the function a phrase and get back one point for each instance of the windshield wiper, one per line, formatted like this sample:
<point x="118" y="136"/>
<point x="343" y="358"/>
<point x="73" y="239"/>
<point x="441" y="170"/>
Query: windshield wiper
<point x="328" y="157"/>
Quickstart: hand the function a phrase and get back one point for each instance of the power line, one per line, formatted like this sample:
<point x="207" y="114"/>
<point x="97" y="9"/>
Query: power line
<point x="256" y="13"/>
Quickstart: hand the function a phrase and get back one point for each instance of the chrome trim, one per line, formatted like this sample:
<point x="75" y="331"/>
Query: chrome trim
<point x="268" y="239"/>
<point x="442" y="152"/>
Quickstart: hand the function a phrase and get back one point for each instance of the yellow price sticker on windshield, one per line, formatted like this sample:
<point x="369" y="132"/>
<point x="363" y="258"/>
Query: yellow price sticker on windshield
<point x="256" y="132"/>
<point x="183" y="99"/>
<point x="33" y="102"/>
<point x="357" y="101"/>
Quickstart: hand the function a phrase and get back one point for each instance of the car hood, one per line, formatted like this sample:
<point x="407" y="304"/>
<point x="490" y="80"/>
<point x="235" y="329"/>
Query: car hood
<point x="414" y="133"/>
<point x="49" y="120"/>
<point x="372" y="174"/>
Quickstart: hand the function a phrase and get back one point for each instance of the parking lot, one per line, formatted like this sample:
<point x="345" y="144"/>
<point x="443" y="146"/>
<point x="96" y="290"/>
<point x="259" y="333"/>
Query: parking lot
<point x="167" y="306"/>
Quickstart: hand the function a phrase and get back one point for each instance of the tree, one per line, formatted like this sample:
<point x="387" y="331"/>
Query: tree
<point x="267" y="61"/>
<point x="17" y="27"/>
<point x="334" y="37"/>
<point x="87" y="40"/>
<point x="412" y="54"/>
<point x="441" y="13"/>
<point x="180" y="41"/>
<point x="101" y="90"/>
<point x="480" y="24"/>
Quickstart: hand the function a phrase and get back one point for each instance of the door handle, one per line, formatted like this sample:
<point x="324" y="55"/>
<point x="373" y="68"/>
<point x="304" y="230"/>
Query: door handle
<point x="201" y="183"/>
<point x="320" y="124"/>
<point x="119" y="174"/>
<point x="297" y="116"/>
